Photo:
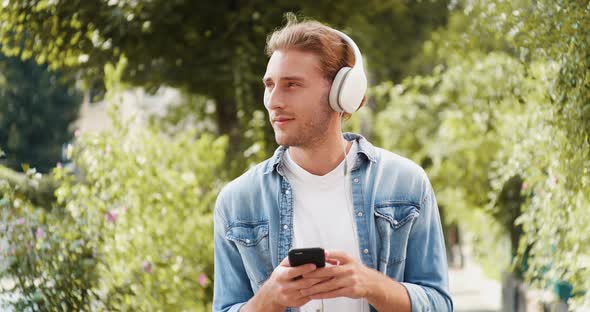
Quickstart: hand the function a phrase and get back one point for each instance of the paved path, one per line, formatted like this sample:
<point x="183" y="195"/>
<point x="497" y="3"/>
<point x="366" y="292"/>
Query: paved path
<point x="474" y="292"/>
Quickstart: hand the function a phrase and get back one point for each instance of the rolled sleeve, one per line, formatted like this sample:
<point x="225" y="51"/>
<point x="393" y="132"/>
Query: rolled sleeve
<point x="424" y="299"/>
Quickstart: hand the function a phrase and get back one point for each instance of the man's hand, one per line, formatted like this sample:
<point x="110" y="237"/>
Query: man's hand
<point x="350" y="278"/>
<point x="282" y="290"/>
<point x="346" y="278"/>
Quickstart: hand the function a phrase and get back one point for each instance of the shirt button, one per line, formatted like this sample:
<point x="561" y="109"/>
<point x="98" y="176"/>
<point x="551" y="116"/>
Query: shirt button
<point x="360" y="214"/>
<point x="356" y="180"/>
<point x="285" y="226"/>
<point x="287" y="192"/>
<point x="366" y="251"/>
<point x="247" y="241"/>
<point x="395" y="222"/>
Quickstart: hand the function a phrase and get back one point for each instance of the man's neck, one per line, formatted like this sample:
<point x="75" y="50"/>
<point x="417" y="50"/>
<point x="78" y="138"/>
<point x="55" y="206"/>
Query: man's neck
<point x="320" y="158"/>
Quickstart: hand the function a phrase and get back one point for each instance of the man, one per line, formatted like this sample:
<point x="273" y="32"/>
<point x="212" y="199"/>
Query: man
<point x="373" y="211"/>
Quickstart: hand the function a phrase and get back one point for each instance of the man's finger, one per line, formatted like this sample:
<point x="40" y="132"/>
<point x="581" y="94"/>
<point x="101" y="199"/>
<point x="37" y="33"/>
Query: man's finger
<point x="293" y="272"/>
<point x="285" y="262"/>
<point x="341" y="292"/>
<point x="324" y="287"/>
<point x="325" y="272"/>
<point x="305" y="283"/>
<point x="339" y="255"/>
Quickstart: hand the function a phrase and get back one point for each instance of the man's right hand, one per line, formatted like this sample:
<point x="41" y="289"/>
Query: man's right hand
<point x="282" y="290"/>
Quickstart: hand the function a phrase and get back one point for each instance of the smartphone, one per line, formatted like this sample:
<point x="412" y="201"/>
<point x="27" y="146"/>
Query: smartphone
<point x="301" y="256"/>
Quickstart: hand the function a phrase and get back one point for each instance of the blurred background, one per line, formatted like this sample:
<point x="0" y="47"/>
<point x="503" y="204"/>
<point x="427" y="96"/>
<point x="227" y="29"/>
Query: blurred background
<point x="121" y="120"/>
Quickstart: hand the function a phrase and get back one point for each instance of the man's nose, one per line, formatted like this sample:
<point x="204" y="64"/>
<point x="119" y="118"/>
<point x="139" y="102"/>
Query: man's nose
<point x="273" y="99"/>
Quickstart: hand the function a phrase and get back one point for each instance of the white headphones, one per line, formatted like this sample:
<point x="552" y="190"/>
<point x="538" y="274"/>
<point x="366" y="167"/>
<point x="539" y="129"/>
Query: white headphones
<point x="349" y="85"/>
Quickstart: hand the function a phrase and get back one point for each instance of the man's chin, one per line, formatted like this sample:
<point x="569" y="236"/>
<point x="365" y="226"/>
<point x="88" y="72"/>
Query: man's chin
<point x="282" y="139"/>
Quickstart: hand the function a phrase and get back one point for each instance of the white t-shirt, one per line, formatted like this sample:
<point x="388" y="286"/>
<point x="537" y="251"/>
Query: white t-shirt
<point x="322" y="217"/>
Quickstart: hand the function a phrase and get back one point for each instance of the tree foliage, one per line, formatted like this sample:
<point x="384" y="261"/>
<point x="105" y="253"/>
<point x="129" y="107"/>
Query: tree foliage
<point x="212" y="49"/>
<point x="131" y="228"/>
<point x="502" y="125"/>
<point x="558" y="179"/>
<point x="449" y="122"/>
<point x="37" y="108"/>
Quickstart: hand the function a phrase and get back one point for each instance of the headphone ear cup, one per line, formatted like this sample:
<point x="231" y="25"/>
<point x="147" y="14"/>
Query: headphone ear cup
<point x="352" y="90"/>
<point x="335" y="90"/>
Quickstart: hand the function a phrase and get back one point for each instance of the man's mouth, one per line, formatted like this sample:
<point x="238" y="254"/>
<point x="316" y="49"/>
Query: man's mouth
<point x="279" y="121"/>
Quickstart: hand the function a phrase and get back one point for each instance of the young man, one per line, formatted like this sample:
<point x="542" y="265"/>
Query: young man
<point x="373" y="211"/>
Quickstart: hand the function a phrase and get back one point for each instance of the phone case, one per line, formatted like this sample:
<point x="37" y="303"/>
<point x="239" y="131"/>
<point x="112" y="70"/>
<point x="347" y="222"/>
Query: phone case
<point x="300" y="256"/>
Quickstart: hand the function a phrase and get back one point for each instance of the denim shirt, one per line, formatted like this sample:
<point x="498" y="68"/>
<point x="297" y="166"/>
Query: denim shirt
<point x="396" y="215"/>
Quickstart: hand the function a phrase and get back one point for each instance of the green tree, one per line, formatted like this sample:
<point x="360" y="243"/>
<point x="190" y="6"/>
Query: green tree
<point x="214" y="49"/>
<point x="448" y="122"/>
<point x="557" y="176"/>
<point x="509" y="134"/>
<point x="37" y="107"/>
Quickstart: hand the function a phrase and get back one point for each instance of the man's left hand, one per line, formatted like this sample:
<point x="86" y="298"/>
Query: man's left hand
<point x="348" y="278"/>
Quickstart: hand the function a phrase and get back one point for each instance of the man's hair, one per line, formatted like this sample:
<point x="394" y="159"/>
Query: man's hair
<point x="312" y="36"/>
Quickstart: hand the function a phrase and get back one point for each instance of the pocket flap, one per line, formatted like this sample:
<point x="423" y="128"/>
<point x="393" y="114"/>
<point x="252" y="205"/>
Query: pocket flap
<point x="397" y="214"/>
<point x="247" y="234"/>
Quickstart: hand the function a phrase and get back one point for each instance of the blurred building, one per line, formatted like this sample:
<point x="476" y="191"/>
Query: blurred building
<point x="135" y="102"/>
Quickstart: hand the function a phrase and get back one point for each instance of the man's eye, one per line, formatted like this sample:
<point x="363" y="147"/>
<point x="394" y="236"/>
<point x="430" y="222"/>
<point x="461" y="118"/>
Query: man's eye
<point x="292" y="84"/>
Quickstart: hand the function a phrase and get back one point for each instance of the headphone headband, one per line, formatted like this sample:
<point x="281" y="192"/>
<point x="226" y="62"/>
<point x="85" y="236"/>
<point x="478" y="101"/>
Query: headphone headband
<point x="358" y="58"/>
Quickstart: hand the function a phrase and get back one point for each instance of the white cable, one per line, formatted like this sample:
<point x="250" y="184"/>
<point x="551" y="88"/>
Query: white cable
<point x="344" y="150"/>
<point x="349" y="207"/>
<point x="348" y="203"/>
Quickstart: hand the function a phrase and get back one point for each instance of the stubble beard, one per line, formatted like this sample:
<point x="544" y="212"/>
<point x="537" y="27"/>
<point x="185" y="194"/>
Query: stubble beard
<point x="313" y="131"/>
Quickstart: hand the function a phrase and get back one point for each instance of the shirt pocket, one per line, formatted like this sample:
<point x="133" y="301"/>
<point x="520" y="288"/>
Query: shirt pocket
<point x="394" y="221"/>
<point x="252" y="241"/>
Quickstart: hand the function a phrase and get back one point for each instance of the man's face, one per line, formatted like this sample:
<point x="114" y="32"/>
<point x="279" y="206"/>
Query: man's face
<point x="297" y="98"/>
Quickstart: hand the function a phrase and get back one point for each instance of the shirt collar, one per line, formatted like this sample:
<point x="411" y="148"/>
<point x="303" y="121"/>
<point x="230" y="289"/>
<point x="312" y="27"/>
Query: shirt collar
<point x="364" y="148"/>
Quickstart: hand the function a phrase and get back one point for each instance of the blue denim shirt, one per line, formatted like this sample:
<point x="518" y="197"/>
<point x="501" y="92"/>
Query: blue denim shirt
<point x="396" y="215"/>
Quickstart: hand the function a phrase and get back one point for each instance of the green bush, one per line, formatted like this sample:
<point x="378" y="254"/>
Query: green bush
<point x="131" y="229"/>
<point x="505" y="135"/>
<point x="148" y="198"/>
<point x="46" y="262"/>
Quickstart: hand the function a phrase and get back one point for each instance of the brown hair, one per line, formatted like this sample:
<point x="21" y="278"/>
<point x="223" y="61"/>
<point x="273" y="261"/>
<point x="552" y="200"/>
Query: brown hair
<point x="315" y="37"/>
